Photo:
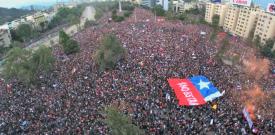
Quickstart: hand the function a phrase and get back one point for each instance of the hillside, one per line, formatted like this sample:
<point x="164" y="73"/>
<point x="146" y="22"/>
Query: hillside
<point x="11" y="14"/>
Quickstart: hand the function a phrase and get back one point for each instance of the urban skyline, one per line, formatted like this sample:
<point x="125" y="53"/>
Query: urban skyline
<point x="22" y="3"/>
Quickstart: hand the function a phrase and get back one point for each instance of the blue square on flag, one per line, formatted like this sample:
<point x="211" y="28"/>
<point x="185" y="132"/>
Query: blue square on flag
<point x="206" y="88"/>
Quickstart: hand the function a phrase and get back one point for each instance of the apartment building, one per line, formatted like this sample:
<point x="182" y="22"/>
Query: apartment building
<point x="243" y="20"/>
<point x="163" y="3"/>
<point x="265" y="27"/>
<point x="38" y="18"/>
<point x="247" y="21"/>
<point x="231" y="19"/>
<point x="216" y="9"/>
<point x="148" y="3"/>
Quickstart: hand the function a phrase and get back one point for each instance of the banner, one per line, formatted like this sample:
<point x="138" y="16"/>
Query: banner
<point x="247" y="117"/>
<point x="241" y="2"/>
<point x="194" y="91"/>
<point x="271" y="8"/>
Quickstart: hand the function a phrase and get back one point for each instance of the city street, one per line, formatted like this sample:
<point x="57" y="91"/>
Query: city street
<point x="51" y="39"/>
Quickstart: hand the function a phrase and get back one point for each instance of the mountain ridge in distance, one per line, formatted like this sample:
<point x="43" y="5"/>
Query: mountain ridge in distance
<point x="10" y="14"/>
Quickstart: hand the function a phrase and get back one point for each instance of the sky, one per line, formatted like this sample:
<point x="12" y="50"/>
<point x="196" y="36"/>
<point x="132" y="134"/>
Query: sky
<point x="21" y="3"/>
<point x="263" y="3"/>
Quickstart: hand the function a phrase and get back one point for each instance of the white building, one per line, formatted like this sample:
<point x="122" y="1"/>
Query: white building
<point x="181" y="6"/>
<point x="163" y="3"/>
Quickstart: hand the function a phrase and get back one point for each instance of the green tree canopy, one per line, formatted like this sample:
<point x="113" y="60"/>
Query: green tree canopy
<point x="120" y="124"/>
<point x="266" y="49"/>
<point x="215" y="21"/>
<point x="102" y="7"/>
<point x="257" y="42"/>
<point x="16" y="64"/>
<point x="182" y="16"/>
<point x="42" y="59"/>
<point x="69" y="45"/>
<point x="25" y="66"/>
<point x="89" y="23"/>
<point x="223" y="49"/>
<point x="24" y="32"/>
<point x="67" y="15"/>
<point x="109" y="52"/>
<point x="158" y="10"/>
<point x="63" y="37"/>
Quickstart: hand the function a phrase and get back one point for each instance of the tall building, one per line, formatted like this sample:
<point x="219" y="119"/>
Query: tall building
<point x="231" y="19"/>
<point x="265" y="27"/>
<point x="163" y="3"/>
<point x="216" y="9"/>
<point x="148" y="3"/>
<point x="247" y="21"/>
<point x="244" y="21"/>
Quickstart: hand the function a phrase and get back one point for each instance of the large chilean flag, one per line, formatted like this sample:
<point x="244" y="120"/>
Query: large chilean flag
<point x="196" y="90"/>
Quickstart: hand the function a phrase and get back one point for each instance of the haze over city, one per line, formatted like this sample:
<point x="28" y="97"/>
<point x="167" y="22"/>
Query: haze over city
<point x="22" y="3"/>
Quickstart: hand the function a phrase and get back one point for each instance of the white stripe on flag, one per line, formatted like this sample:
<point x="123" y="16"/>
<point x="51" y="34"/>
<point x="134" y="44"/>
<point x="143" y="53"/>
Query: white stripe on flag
<point x="213" y="96"/>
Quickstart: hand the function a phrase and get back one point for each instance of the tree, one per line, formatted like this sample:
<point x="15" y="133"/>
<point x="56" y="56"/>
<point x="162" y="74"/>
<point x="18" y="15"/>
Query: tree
<point x="63" y="37"/>
<point x="117" y="18"/>
<point x="73" y="19"/>
<point x="24" y="32"/>
<point x="69" y="45"/>
<point x="16" y="64"/>
<point x="215" y="22"/>
<point x="158" y="10"/>
<point x="266" y="50"/>
<point x="250" y="36"/>
<point x="223" y="49"/>
<point x="120" y="124"/>
<point x="109" y="52"/>
<point x="43" y="25"/>
<point x="89" y="23"/>
<point x="194" y="11"/>
<point x="42" y="59"/>
<point x="127" y="6"/>
<point x="257" y="42"/>
<point x="127" y="13"/>
<point x="67" y="15"/>
<point x="25" y="66"/>
<point x="170" y="15"/>
<point x="182" y="17"/>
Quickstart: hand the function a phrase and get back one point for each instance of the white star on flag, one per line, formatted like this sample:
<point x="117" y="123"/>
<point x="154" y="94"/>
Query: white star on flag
<point x="203" y="84"/>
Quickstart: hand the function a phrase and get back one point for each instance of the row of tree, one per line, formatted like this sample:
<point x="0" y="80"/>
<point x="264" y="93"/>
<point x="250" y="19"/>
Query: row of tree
<point x="103" y="7"/>
<point x="265" y="49"/>
<point x="127" y="7"/>
<point x="194" y="15"/>
<point x="27" y="32"/>
<point x="67" y="15"/>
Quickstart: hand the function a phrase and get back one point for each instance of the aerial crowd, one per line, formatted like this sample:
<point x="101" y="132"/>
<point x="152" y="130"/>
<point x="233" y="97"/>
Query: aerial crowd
<point x="71" y="99"/>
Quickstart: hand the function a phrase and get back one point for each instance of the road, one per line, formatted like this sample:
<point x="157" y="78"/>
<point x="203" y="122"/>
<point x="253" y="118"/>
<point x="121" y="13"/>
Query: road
<point x="88" y="14"/>
<point x="52" y="39"/>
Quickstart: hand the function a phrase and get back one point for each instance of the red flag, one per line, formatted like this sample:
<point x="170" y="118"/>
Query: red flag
<point x="186" y="92"/>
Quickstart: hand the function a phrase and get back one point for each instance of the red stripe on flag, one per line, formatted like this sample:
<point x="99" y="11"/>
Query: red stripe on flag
<point x="186" y="92"/>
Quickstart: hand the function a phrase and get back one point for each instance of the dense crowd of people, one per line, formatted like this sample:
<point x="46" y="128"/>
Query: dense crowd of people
<point x="72" y="98"/>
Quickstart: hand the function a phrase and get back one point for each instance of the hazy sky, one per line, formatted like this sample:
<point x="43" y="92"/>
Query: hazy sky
<point x="20" y="3"/>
